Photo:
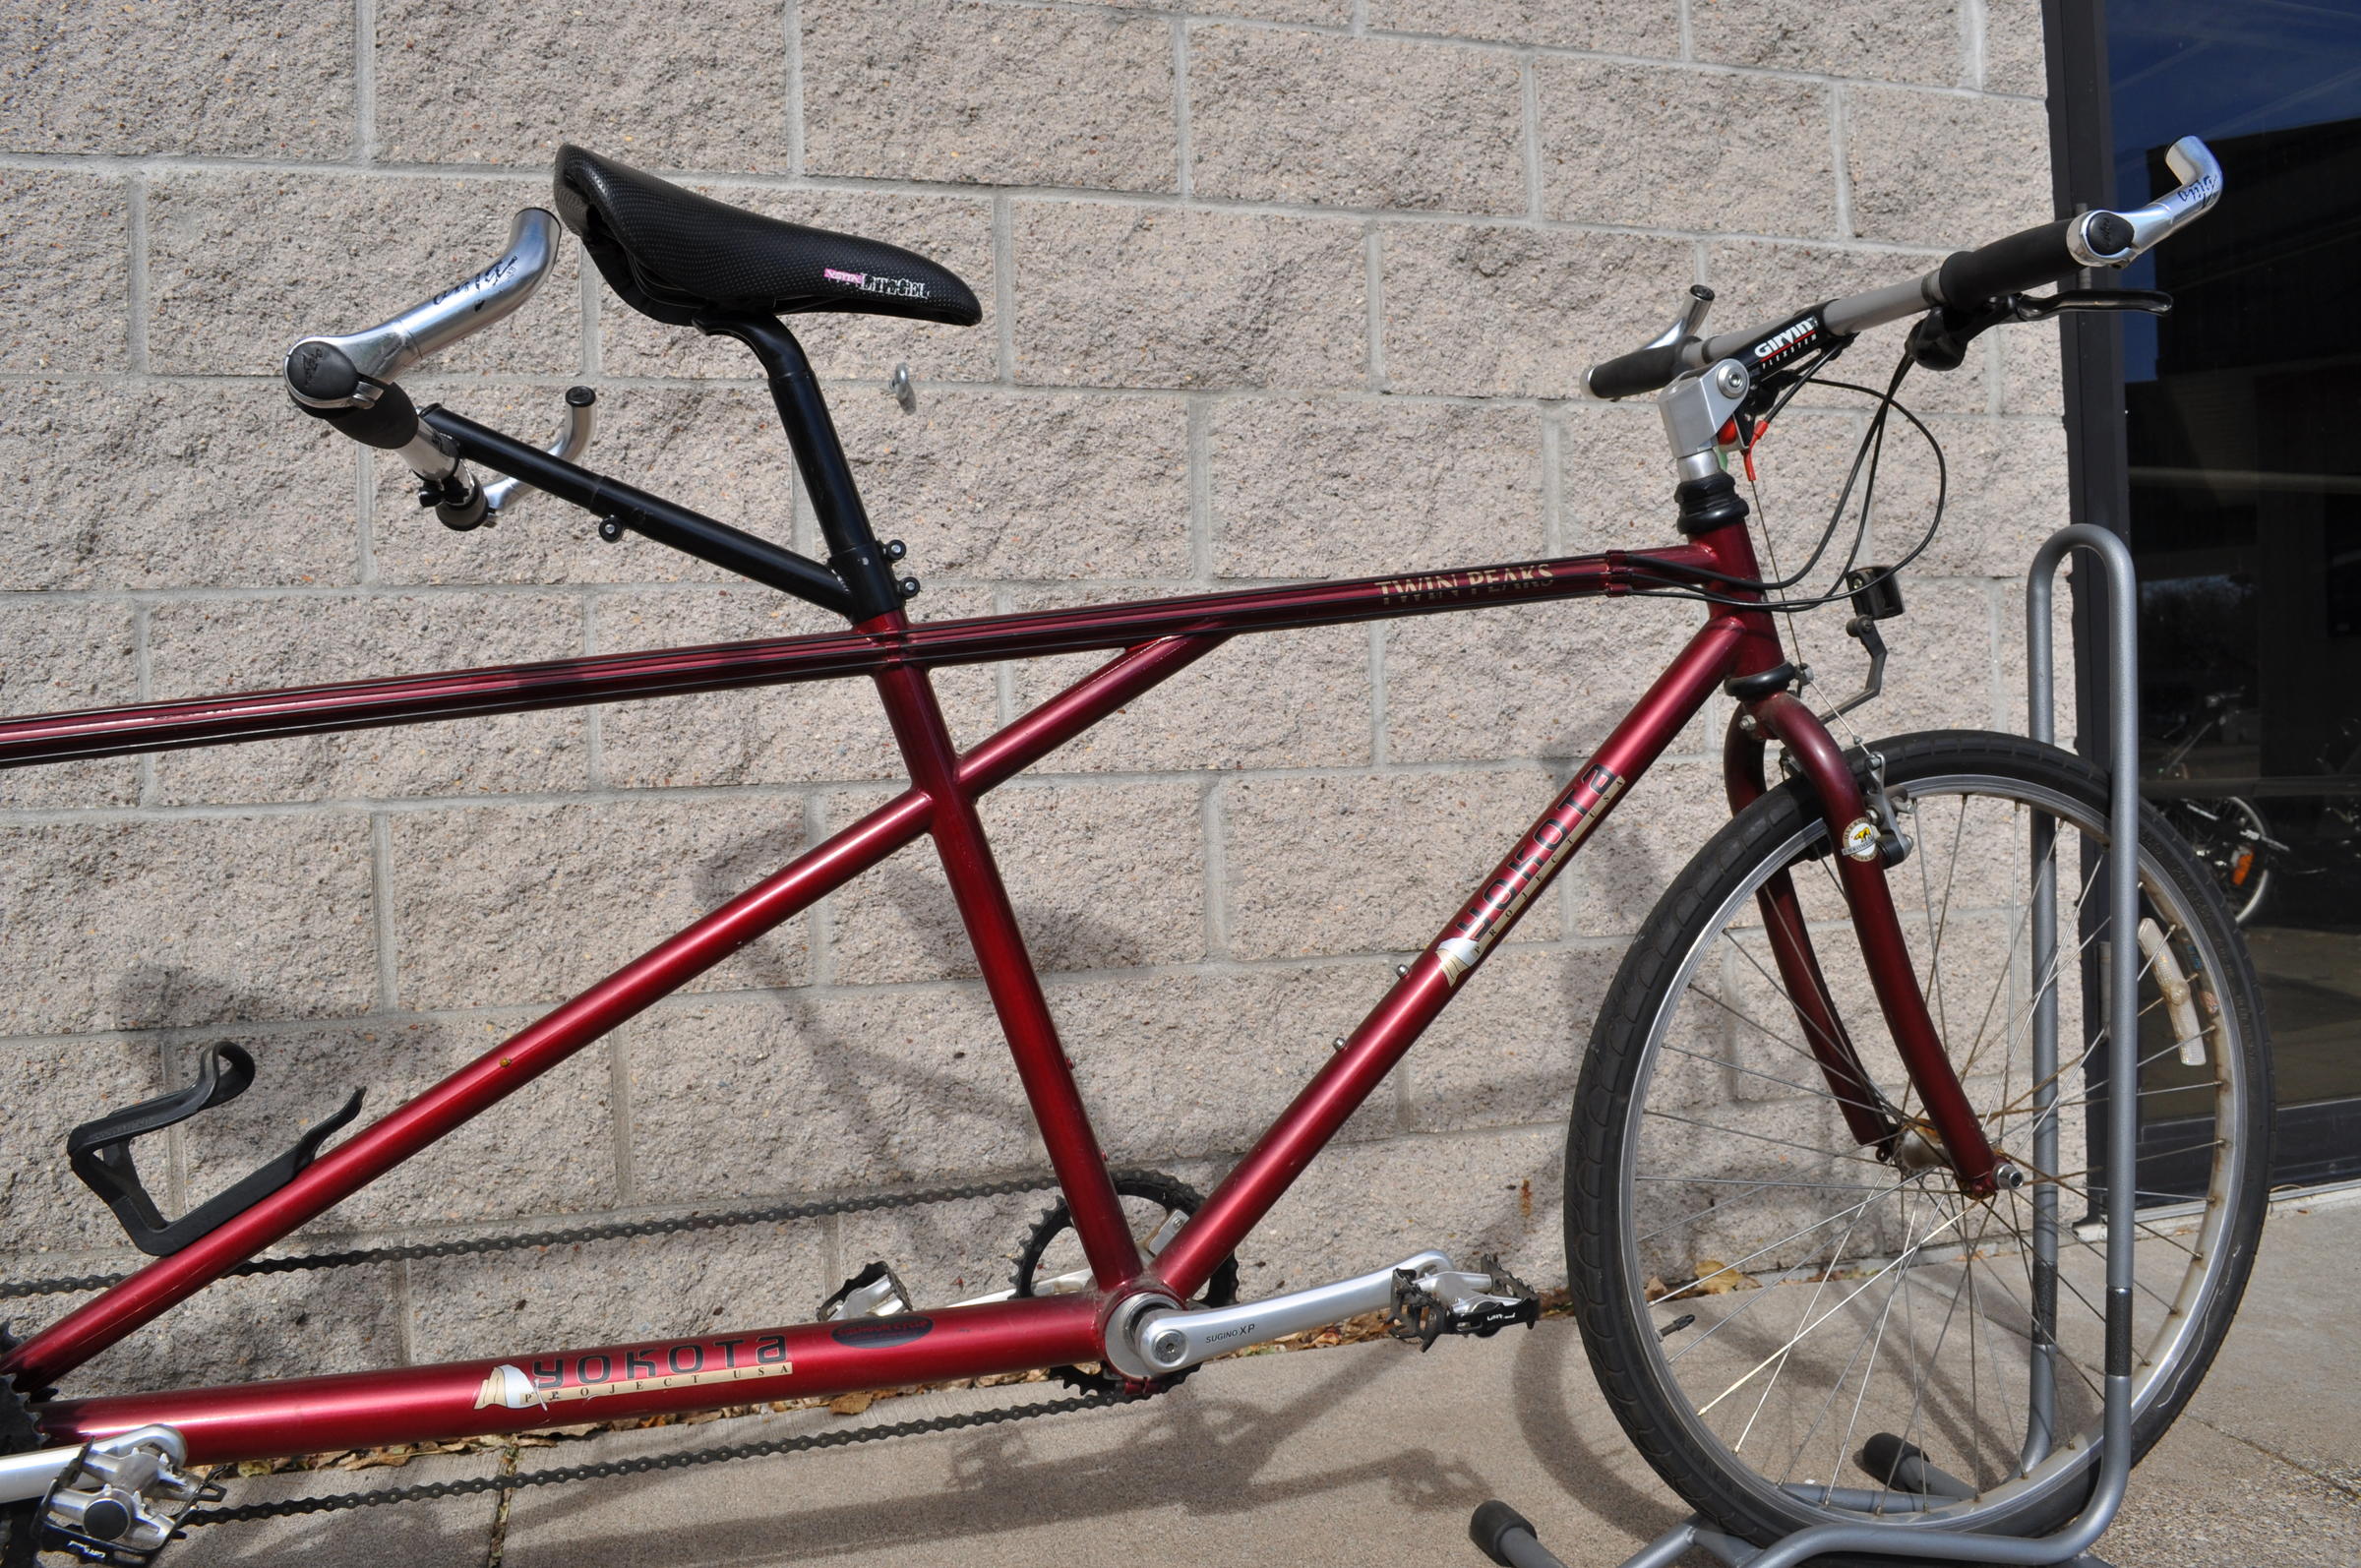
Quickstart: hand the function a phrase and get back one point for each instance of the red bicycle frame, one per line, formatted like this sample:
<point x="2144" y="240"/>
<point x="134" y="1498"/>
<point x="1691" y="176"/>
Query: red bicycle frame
<point x="1158" y="639"/>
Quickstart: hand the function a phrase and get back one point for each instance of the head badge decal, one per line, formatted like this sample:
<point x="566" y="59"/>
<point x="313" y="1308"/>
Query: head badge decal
<point x="1528" y="869"/>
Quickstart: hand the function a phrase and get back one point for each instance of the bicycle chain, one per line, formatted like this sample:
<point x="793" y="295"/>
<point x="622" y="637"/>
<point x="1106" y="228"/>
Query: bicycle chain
<point x="636" y="1467"/>
<point x="902" y="1198"/>
<point x="813" y="1209"/>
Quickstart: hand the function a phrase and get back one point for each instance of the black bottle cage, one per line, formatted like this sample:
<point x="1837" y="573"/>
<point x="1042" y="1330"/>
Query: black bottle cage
<point x="101" y="1154"/>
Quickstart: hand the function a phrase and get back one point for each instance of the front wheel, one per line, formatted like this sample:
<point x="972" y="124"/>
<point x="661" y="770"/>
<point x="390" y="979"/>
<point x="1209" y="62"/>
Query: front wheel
<point x="1762" y="1297"/>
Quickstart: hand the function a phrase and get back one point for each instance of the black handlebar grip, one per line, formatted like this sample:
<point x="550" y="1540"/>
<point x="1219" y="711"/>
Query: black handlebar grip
<point x="2026" y="259"/>
<point x="1643" y="370"/>
<point x="390" y="422"/>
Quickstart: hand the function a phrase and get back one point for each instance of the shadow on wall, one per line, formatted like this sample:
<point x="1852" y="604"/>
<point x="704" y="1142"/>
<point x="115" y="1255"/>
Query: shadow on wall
<point x="238" y="1329"/>
<point x="260" y="1327"/>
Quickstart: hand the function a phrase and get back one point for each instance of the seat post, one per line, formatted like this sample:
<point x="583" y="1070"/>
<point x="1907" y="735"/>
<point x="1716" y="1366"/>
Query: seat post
<point x="854" y="554"/>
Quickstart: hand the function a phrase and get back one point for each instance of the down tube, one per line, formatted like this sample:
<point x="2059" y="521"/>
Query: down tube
<point x="1263" y="1177"/>
<point x="353" y="1165"/>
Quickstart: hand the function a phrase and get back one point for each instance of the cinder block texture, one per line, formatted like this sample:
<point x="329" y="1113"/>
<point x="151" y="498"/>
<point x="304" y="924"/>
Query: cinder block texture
<point x="118" y="486"/>
<point x="559" y="75"/>
<point x="1154" y="296"/>
<point x="867" y="1088"/>
<point x="988" y="485"/>
<point x="1884" y="44"/>
<point x="1557" y="675"/>
<point x="1370" y="864"/>
<point x="989" y="93"/>
<point x="1649" y="27"/>
<point x="64" y="293"/>
<point x="1518" y="312"/>
<point x="1927" y="166"/>
<point x="1283" y="699"/>
<point x="532" y="903"/>
<point x="235" y="80"/>
<point x="1660" y="148"/>
<point x="1346" y="122"/>
<point x="1272" y="290"/>
<point x="186" y="921"/>
<point x="1334" y="488"/>
<point x="549" y="1151"/>
<point x="2014" y="61"/>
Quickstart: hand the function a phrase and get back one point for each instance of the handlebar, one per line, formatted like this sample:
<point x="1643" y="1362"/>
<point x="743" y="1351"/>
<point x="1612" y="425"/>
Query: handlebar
<point x="1967" y="282"/>
<point x="325" y="372"/>
<point x="349" y="381"/>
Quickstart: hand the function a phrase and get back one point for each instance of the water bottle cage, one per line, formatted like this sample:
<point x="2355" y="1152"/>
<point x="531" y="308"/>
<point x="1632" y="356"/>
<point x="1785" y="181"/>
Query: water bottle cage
<point x="99" y="1153"/>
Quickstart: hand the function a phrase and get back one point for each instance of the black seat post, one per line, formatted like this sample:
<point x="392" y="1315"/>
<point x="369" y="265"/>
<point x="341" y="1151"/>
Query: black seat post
<point x="854" y="554"/>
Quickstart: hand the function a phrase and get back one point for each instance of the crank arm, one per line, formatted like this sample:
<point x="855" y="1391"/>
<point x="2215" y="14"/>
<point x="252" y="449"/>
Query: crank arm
<point x="1167" y="1340"/>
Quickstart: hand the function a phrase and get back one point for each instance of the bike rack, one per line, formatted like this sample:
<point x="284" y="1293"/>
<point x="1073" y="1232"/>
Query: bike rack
<point x="1505" y="1537"/>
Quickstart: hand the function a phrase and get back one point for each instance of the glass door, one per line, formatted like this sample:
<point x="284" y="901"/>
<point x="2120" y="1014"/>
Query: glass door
<point x="2243" y="421"/>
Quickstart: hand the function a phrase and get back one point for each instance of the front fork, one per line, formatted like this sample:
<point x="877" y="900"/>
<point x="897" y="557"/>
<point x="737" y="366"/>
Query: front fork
<point x="1854" y="838"/>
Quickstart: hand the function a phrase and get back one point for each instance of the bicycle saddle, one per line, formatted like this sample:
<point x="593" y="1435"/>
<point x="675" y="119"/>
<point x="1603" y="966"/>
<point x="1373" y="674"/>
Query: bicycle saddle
<point x="675" y="255"/>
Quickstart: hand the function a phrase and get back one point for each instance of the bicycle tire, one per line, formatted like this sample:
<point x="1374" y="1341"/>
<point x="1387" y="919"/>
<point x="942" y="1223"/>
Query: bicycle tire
<point x="1625" y="1334"/>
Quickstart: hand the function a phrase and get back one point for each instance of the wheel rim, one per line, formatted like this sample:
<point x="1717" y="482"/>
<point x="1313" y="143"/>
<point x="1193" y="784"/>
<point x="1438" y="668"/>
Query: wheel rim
<point x="1832" y="1295"/>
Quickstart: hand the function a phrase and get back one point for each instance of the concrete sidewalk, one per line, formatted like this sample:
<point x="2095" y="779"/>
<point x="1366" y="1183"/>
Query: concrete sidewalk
<point x="1362" y="1455"/>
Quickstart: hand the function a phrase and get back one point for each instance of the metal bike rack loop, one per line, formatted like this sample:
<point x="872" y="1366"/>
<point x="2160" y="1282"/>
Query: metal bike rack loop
<point x="1505" y="1537"/>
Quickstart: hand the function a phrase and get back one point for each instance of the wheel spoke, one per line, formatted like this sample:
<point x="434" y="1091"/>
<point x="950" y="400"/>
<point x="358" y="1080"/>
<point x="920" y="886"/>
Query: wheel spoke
<point x="1784" y="1083"/>
<point x="1819" y="1286"/>
<point x="1731" y="1268"/>
<point x="1898" y="1302"/>
<point x="1901" y="1262"/>
<point x="1764" y="1030"/>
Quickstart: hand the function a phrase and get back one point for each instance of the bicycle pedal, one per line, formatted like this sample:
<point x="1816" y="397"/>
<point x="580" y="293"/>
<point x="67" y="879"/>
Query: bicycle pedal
<point x="123" y="1501"/>
<point x="1479" y="1304"/>
<point x="875" y="1292"/>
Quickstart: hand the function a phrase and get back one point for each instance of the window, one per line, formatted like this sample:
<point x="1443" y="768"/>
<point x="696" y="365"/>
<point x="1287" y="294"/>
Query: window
<point x="2241" y="478"/>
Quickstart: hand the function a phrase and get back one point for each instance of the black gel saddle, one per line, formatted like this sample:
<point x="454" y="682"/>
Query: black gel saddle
<point x="678" y="256"/>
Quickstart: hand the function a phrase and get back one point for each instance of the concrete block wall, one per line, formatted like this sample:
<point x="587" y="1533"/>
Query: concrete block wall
<point x="1273" y="289"/>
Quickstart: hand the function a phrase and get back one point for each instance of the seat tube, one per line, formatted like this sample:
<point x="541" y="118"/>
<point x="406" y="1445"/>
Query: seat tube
<point x="1884" y="952"/>
<point x="1008" y="976"/>
<point x="854" y="554"/>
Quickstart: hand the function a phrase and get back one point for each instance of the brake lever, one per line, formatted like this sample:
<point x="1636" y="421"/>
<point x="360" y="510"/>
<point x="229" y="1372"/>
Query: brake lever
<point x="1940" y="339"/>
<point x="2033" y="308"/>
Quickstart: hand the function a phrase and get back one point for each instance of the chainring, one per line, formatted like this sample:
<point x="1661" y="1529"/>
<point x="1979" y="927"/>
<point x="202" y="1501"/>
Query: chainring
<point x="19" y="1433"/>
<point x="1177" y="1197"/>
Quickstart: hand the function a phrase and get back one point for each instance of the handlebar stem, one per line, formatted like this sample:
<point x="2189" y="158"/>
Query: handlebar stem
<point x="1696" y="407"/>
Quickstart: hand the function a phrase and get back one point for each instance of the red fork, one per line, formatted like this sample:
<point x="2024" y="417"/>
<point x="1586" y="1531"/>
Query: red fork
<point x="1883" y="951"/>
<point x="1866" y="1113"/>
